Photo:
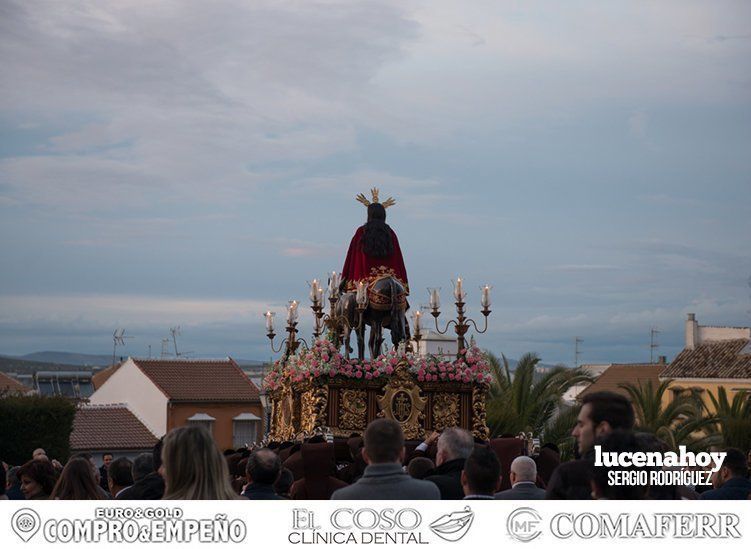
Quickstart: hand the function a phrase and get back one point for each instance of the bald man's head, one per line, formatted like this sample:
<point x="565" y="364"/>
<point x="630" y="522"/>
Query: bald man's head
<point x="263" y="467"/>
<point x="523" y="469"/>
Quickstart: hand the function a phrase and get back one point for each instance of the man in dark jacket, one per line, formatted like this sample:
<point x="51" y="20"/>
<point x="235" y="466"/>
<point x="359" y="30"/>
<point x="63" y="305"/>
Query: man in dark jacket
<point x="384" y="478"/>
<point x="262" y="471"/>
<point x="523" y="473"/>
<point x="600" y="414"/>
<point x="454" y="447"/>
<point x="731" y="480"/>
<point x="147" y="484"/>
<point x="104" y="480"/>
<point x="151" y="485"/>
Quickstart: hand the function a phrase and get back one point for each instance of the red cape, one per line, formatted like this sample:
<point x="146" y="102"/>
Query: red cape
<point x="359" y="266"/>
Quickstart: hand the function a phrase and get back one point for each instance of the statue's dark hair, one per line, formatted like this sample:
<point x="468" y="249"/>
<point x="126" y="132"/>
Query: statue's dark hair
<point x="376" y="236"/>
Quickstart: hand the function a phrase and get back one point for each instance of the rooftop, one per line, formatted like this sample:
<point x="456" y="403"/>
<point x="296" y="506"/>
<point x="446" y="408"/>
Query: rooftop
<point x="618" y="374"/>
<point x="109" y="427"/>
<point x="199" y="379"/>
<point x="712" y="359"/>
<point x="10" y="385"/>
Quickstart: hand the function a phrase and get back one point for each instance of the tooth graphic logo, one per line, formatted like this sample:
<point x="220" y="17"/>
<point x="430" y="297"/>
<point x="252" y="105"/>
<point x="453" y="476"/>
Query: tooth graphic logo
<point x="452" y="527"/>
<point x="25" y="523"/>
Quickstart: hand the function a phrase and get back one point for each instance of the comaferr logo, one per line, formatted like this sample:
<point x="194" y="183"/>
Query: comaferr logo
<point x="658" y="525"/>
<point x="524" y="524"/>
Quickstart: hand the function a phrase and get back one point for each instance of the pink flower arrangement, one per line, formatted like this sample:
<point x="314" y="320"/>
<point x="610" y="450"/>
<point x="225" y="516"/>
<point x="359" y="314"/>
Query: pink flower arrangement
<point x="324" y="359"/>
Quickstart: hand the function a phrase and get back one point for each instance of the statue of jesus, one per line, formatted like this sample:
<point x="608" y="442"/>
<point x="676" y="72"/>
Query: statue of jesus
<point x="374" y="251"/>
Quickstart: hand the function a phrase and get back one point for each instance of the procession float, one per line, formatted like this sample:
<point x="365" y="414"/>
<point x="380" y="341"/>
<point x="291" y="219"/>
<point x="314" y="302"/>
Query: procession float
<point x="318" y="386"/>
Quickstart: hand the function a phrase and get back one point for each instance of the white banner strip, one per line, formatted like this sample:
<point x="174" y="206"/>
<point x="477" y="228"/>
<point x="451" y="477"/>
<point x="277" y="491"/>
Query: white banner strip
<point x="275" y="524"/>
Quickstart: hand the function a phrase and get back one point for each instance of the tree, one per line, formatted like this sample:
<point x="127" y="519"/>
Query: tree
<point x="679" y="423"/>
<point x="733" y="418"/>
<point x="525" y="400"/>
<point x="29" y="422"/>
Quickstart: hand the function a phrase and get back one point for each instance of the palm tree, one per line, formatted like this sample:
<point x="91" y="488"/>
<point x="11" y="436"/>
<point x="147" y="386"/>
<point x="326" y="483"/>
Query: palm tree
<point x="678" y="423"/>
<point x="525" y="401"/>
<point x="733" y="418"/>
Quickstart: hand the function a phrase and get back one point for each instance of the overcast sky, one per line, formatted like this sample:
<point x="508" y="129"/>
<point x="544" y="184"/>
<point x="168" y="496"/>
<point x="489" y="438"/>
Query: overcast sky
<point x="193" y="163"/>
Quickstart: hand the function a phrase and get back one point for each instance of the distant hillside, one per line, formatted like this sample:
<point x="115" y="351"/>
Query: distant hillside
<point x="76" y="359"/>
<point x="20" y="366"/>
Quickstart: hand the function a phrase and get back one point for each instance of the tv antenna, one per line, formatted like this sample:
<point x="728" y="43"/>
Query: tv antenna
<point x="165" y="347"/>
<point x="577" y="352"/>
<point x="118" y="338"/>
<point x="175" y="331"/>
<point x="653" y="344"/>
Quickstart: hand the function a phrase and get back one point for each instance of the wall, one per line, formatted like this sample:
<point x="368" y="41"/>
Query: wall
<point x="223" y="413"/>
<point x="708" y="386"/>
<point x="131" y="386"/>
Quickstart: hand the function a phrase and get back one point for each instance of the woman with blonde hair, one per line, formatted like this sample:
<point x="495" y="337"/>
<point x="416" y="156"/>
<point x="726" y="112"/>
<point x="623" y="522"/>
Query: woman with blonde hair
<point x="193" y="466"/>
<point x="77" y="481"/>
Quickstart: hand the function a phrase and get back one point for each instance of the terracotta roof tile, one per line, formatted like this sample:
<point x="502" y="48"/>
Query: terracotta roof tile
<point x="713" y="359"/>
<point x="10" y="385"/>
<point x="191" y="380"/>
<point x="618" y="374"/>
<point x="109" y="427"/>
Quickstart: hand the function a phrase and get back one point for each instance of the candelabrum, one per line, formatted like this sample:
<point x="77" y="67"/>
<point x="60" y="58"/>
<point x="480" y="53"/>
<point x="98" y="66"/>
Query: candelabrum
<point x="461" y="323"/>
<point x="340" y="320"/>
<point x="291" y="343"/>
<point x="343" y="316"/>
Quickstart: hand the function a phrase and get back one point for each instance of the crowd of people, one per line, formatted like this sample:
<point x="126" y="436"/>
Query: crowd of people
<point x="380" y="465"/>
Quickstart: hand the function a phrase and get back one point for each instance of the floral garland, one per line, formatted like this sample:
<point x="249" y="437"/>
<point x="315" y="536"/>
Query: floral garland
<point x="324" y="360"/>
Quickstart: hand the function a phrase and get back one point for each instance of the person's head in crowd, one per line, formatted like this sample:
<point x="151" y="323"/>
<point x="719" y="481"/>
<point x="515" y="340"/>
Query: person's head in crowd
<point x="383" y="442"/>
<point x="283" y="484"/>
<point x="600" y="414"/>
<point x="77" y="482"/>
<point x="420" y="467"/>
<point x="552" y="446"/>
<point x="107" y="459"/>
<point x="156" y="456"/>
<point x="38" y="453"/>
<point x="90" y="459"/>
<point x="481" y="475"/>
<point x="37" y="479"/>
<point x="618" y="440"/>
<point x="263" y="467"/>
<point x="523" y="469"/>
<point x="193" y="467"/>
<point x="143" y="464"/>
<point x="454" y="443"/>
<point x="120" y="475"/>
<point x="733" y="466"/>
<point x="12" y="479"/>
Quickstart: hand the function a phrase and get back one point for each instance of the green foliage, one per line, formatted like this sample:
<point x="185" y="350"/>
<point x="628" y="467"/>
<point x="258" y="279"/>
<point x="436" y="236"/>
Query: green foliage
<point x="733" y="418"/>
<point x="29" y="422"/>
<point x="679" y="423"/>
<point x="558" y="430"/>
<point x="526" y="401"/>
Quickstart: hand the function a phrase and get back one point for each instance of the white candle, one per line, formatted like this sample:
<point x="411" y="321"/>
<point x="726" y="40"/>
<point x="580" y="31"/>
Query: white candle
<point x="292" y="312"/>
<point x="418" y="328"/>
<point x="458" y="294"/>
<point x="435" y="299"/>
<point x="269" y="322"/>
<point x="314" y="291"/>
<point x="485" y="301"/>
<point x="334" y="284"/>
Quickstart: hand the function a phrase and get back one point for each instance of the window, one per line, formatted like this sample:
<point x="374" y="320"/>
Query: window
<point x="245" y="429"/>
<point x="203" y="420"/>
